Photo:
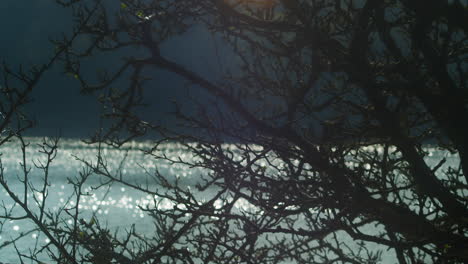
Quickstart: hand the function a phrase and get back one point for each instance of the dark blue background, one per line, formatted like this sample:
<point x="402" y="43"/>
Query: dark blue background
<point x="58" y="106"/>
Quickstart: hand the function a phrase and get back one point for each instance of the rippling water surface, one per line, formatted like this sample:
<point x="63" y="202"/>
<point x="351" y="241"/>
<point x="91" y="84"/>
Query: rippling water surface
<point x="117" y="206"/>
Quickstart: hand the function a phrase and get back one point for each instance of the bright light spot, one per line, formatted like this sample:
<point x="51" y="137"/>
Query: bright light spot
<point x="218" y="204"/>
<point x="16" y="228"/>
<point x="380" y="149"/>
<point x="34" y="236"/>
<point x="47" y="240"/>
<point x="122" y="189"/>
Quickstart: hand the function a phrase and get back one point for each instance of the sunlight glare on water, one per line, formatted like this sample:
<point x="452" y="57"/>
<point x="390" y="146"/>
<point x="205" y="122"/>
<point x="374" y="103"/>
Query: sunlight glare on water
<point x="114" y="205"/>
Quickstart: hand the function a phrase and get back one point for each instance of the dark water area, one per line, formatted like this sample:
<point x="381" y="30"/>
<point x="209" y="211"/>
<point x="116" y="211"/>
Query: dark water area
<point x="58" y="107"/>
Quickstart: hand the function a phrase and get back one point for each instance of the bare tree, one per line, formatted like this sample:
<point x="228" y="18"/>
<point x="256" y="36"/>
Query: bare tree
<point x="315" y="144"/>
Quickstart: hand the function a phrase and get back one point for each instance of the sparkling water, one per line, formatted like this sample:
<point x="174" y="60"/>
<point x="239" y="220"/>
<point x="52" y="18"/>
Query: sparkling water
<point x="116" y="205"/>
